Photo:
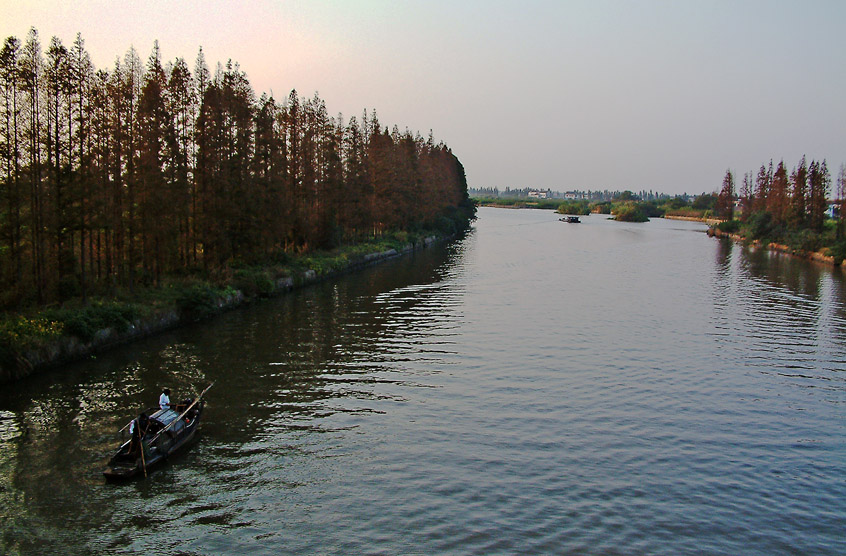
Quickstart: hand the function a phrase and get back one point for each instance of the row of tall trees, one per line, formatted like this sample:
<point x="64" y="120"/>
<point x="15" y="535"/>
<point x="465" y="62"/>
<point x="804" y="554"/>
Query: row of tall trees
<point x="113" y="177"/>
<point x="795" y="199"/>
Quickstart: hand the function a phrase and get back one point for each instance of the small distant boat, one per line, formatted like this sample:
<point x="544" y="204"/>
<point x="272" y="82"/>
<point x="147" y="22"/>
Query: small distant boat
<point x="571" y="219"/>
<point x="161" y="434"/>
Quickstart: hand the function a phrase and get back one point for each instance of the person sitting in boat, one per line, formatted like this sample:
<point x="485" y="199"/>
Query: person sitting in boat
<point x="164" y="399"/>
<point x="189" y="413"/>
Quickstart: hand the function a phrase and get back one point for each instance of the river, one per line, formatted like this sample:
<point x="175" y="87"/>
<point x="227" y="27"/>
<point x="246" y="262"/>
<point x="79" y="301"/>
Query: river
<point x="534" y="387"/>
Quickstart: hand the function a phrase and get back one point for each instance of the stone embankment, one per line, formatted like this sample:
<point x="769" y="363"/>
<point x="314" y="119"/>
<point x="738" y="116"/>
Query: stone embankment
<point x="69" y="348"/>
<point x="818" y="256"/>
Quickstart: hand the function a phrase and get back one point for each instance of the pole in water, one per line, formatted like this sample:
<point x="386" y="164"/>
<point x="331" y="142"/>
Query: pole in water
<point x="141" y="434"/>
<point x="143" y="461"/>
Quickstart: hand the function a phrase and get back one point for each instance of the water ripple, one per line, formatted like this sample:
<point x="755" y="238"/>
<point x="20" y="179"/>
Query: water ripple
<point x="535" y="388"/>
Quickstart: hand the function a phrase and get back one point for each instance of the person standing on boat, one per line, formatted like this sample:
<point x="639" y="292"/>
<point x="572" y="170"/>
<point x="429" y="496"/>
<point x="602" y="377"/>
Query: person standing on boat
<point x="138" y="424"/>
<point x="137" y="430"/>
<point x="164" y="399"/>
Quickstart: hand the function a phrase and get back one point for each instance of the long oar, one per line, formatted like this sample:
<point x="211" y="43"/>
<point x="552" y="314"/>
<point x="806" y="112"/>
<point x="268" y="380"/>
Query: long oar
<point x="187" y="409"/>
<point x="140" y="434"/>
<point x="143" y="461"/>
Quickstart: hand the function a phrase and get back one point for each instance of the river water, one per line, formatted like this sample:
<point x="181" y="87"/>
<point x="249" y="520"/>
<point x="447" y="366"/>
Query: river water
<point x="535" y="387"/>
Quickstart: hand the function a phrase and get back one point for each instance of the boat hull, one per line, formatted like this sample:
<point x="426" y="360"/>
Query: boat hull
<point x="127" y="462"/>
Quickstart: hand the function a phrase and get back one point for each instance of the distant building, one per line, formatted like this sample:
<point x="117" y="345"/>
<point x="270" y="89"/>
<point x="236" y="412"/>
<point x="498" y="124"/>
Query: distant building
<point x="535" y="194"/>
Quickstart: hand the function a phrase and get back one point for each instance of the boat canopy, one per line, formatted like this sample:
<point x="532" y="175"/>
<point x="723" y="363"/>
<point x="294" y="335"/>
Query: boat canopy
<point x="166" y="417"/>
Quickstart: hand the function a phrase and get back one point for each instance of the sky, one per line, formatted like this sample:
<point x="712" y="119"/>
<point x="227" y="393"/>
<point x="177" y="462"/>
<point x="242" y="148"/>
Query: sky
<point x="597" y="94"/>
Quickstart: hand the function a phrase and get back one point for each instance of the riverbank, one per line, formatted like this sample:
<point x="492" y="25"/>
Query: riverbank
<point x="519" y="205"/>
<point x="709" y="221"/>
<point x="818" y="256"/>
<point x="38" y="342"/>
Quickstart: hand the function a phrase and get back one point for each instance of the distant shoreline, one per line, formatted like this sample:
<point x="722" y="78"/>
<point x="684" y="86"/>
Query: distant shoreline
<point x="527" y="205"/>
<point x="709" y="221"/>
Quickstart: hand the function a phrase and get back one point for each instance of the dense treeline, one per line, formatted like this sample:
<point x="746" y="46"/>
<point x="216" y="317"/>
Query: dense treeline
<point x="795" y="200"/>
<point x="787" y="207"/>
<point x="117" y="178"/>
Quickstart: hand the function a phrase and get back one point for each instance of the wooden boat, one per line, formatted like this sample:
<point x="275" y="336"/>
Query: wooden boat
<point x="163" y="433"/>
<point x="571" y="219"/>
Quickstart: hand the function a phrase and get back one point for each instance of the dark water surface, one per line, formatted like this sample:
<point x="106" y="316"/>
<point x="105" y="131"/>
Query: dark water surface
<point x="534" y="388"/>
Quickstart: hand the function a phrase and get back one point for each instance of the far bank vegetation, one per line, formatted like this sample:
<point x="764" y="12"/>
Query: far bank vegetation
<point x="623" y="206"/>
<point x="788" y="208"/>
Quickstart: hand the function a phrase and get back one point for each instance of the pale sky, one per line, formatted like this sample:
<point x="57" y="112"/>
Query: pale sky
<point x="595" y="94"/>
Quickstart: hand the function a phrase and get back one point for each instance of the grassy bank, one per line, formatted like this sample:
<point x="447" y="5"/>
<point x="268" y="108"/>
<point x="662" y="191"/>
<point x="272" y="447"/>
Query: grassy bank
<point x="46" y="336"/>
<point x="824" y="245"/>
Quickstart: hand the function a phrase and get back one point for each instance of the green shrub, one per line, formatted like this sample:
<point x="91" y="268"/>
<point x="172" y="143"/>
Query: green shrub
<point x="573" y="207"/>
<point x="805" y="240"/>
<point x="686" y="212"/>
<point x="629" y="213"/>
<point x="20" y="333"/>
<point x="444" y="225"/>
<point x="676" y="203"/>
<point x="81" y="326"/>
<point x="760" y="226"/>
<point x="198" y="301"/>
<point x="729" y="226"/>
<point x="401" y="237"/>
<point x="547" y="204"/>
<point x="706" y="201"/>
<point x="84" y="322"/>
<point x="838" y="251"/>
<point x="113" y="315"/>
<point x="652" y="210"/>
<point x="17" y="333"/>
<point x="253" y="283"/>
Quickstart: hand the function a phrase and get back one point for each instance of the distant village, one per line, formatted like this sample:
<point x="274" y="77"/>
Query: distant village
<point x="574" y="195"/>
